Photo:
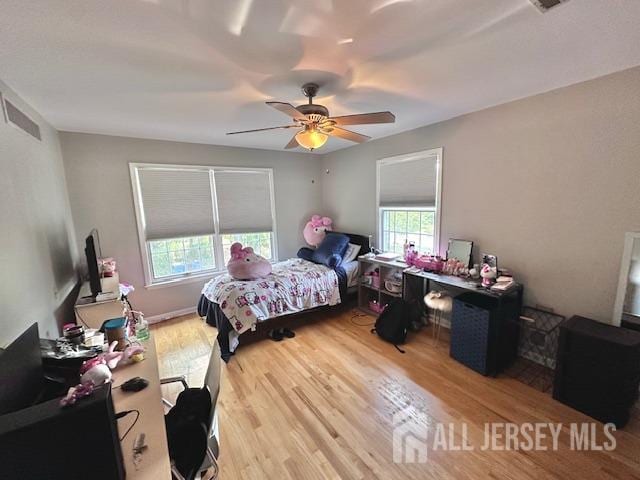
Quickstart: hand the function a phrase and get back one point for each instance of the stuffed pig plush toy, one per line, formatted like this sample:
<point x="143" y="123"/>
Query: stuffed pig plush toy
<point x="315" y="230"/>
<point x="247" y="265"/>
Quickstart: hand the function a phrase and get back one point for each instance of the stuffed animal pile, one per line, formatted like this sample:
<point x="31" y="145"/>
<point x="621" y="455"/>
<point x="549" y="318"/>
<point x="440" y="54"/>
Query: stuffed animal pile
<point x="97" y="372"/>
<point x="244" y="264"/>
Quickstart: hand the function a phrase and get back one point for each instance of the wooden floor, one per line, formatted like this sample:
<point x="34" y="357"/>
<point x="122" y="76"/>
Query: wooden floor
<point x="321" y="406"/>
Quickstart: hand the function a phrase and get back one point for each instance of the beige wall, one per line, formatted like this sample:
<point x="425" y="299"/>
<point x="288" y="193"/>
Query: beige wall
<point x="549" y="184"/>
<point x="36" y="230"/>
<point x="99" y="184"/>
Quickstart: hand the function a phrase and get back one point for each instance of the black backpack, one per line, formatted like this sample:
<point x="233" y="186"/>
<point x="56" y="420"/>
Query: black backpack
<point x="393" y="323"/>
<point x="187" y="432"/>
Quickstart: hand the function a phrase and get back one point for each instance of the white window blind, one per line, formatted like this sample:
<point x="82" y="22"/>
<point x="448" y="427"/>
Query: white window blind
<point x="244" y="201"/>
<point x="409" y="182"/>
<point x="176" y="203"/>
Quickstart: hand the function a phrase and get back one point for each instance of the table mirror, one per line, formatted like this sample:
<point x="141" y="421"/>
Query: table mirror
<point x="460" y="249"/>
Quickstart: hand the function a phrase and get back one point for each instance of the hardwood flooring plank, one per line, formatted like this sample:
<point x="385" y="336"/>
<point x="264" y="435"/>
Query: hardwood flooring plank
<point x="321" y="406"/>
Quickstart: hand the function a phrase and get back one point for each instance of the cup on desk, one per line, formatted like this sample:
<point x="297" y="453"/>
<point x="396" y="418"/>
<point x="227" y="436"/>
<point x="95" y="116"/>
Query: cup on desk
<point x="115" y="331"/>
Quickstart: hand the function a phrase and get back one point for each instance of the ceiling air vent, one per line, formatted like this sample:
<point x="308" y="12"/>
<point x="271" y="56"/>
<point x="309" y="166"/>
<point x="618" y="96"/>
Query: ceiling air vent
<point x="546" y="5"/>
<point x="18" y="119"/>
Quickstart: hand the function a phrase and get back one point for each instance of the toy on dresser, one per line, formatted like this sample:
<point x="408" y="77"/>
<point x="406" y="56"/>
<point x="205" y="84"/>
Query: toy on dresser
<point x="410" y="253"/>
<point x="455" y="267"/>
<point x="488" y="274"/>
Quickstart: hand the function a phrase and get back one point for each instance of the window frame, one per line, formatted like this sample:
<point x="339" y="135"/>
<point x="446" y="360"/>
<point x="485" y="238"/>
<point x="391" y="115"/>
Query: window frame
<point x="438" y="152"/>
<point x="413" y="208"/>
<point x="218" y="254"/>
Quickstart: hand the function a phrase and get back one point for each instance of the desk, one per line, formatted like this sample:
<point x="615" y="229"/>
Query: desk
<point x="92" y="314"/>
<point x="498" y="329"/>
<point x="459" y="283"/>
<point x="154" y="464"/>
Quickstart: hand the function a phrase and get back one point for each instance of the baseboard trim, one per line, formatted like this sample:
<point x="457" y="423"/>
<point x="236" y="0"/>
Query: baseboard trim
<point x="169" y="315"/>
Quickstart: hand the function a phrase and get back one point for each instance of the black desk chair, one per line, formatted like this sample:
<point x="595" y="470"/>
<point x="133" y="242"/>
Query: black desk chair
<point x="201" y="428"/>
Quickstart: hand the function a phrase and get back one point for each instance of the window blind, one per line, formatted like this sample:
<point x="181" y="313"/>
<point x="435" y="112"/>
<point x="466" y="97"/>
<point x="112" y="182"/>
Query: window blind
<point x="175" y="203"/>
<point x="409" y="183"/>
<point x="244" y="201"/>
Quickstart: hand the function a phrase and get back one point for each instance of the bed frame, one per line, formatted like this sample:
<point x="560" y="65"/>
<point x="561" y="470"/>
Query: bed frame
<point x="263" y="328"/>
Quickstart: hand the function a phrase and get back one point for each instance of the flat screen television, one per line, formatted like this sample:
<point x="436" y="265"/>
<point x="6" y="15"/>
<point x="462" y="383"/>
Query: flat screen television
<point x="92" y="251"/>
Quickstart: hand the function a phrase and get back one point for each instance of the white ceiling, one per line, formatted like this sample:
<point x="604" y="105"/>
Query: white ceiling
<point x="191" y="70"/>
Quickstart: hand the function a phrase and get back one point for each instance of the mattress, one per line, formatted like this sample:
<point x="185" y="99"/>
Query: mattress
<point x="293" y="286"/>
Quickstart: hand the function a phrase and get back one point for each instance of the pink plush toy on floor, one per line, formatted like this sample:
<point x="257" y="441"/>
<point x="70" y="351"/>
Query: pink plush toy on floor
<point x="315" y="229"/>
<point x="247" y="265"/>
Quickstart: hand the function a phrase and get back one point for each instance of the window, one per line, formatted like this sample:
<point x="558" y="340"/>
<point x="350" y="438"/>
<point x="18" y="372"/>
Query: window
<point x="409" y="200"/>
<point x="260" y="242"/>
<point x="400" y="225"/>
<point x="176" y="256"/>
<point x="188" y="217"/>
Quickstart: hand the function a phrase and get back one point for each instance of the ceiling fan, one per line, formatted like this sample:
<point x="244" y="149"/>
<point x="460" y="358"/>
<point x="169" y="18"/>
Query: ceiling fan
<point x="316" y="126"/>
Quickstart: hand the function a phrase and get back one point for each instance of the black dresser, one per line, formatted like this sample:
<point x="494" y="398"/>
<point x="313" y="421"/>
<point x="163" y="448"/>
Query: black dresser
<point x="598" y="369"/>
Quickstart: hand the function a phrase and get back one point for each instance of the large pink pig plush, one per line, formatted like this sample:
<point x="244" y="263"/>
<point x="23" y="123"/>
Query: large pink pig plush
<point x="244" y="264"/>
<point x="315" y="230"/>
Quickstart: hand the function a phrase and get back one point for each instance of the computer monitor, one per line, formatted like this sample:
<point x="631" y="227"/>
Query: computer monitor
<point x="92" y="250"/>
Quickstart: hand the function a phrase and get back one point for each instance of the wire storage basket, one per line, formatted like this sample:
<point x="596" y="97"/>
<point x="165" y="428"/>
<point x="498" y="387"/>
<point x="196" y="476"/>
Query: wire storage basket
<point x="537" y="348"/>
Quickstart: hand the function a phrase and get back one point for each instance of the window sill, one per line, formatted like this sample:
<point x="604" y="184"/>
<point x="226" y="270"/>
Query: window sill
<point x="187" y="279"/>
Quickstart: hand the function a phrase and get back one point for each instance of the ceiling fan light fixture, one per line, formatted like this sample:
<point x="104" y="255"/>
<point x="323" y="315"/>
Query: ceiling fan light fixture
<point x="311" y="138"/>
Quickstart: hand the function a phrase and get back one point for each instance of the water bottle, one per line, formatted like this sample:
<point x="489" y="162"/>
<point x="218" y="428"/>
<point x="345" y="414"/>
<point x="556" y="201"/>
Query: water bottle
<point x="142" y="329"/>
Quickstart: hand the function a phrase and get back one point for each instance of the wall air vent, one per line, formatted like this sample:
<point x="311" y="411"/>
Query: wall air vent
<point x="546" y="5"/>
<point x="18" y="119"/>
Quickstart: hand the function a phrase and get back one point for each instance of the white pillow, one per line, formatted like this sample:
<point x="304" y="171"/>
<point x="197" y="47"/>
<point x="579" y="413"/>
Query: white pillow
<point x="351" y="253"/>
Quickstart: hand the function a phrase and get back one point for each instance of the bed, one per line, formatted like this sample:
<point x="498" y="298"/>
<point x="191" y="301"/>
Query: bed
<point x="296" y="286"/>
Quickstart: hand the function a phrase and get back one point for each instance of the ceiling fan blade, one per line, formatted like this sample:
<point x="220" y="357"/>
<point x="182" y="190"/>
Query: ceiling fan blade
<point x="346" y="134"/>
<point x="262" y="129"/>
<point x="364" y="118"/>
<point x="287" y="109"/>
<point x="293" y="143"/>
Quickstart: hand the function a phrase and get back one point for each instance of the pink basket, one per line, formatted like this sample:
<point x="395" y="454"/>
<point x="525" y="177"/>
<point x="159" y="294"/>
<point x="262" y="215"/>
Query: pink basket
<point x="376" y="307"/>
<point x="430" y="263"/>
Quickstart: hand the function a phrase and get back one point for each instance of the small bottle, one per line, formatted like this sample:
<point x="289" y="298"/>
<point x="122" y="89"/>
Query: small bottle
<point x="142" y="328"/>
